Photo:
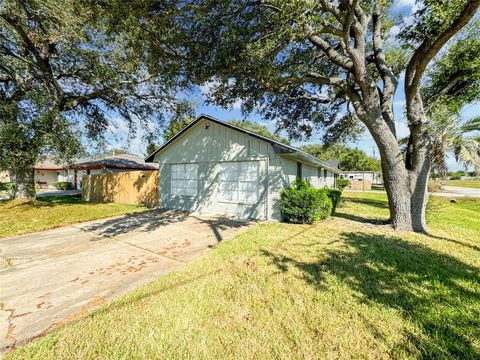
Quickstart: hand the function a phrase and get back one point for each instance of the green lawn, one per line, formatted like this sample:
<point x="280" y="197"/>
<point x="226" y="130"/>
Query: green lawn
<point x="341" y="288"/>
<point x="20" y="217"/>
<point x="464" y="183"/>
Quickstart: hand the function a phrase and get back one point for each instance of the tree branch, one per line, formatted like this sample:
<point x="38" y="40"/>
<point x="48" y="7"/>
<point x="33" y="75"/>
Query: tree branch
<point x="325" y="47"/>
<point x="430" y="47"/>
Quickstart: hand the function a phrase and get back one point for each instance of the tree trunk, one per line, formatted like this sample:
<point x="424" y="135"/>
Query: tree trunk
<point x="406" y="186"/>
<point x="407" y="197"/>
<point x="24" y="184"/>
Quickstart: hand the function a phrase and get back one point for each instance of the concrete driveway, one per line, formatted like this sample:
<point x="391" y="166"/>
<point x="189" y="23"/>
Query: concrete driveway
<point x="472" y="192"/>
<point x="52" y="277"/>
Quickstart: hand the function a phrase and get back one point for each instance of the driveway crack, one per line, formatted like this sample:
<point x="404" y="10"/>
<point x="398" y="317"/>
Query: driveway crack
<point x="11" y="326"/>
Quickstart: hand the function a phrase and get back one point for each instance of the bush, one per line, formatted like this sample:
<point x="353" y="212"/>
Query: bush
<point x="434" y="185"/>
<point x="335" y="196"/>
<point x="63" y="185"/>
<point x="456" y="177"/>
<point x="6" y="186"/>
<point x="301" y="203"/>
<point x="342" y="183"/>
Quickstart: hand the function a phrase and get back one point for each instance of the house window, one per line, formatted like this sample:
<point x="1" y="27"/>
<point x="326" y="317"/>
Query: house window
<point x="324" y="174"/>
<point x="238" y="181"/>
<point x="299" y="170"/>
<point x="184" y="181"/>
<point x="319" y="172"/>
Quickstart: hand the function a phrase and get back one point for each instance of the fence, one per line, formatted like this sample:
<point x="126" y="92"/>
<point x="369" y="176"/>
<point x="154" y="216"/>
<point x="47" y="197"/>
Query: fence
<point x="361" y="185"/>
<point x="132" y="187"/>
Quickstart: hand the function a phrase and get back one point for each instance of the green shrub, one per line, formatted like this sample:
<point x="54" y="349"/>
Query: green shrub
<point x="456" y="177"/>
<point x="335" y="196"/>
<point x="342" y="183"/>
<point x="63" y="185"/>
<point x="301" y="203"/>
<point x="6" y="186"/>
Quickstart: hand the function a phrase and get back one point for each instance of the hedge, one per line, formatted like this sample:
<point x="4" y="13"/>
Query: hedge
<point x="63" y="185"/>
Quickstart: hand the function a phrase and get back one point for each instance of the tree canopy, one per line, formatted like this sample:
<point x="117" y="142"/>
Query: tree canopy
<point x="349" y="159"/>
<point x="258" y="129"/>
<point x="333" y="64"/>
<point x="66" y="69"/>
<point x="453" y="83"/>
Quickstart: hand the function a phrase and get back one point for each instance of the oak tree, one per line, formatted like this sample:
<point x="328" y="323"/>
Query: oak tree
<point x="66" y="69"/>
<point x="302" y="63"/>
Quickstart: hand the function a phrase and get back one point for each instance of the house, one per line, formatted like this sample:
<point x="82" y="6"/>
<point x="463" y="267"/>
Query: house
<point x="214" y="167"/>
<point x="48" y="171"/>
<point x="375" y="177"/>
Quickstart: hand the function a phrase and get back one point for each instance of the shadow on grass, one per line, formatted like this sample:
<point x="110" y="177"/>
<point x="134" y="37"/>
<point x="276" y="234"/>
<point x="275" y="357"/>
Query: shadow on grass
<point x="61" y="199"/>
<point x="470" y="246"/>
<point x="361" y="219"/>
<point x="382" y="204"/>
<point x="436" y="292"/>
<point x="44" y="201"/>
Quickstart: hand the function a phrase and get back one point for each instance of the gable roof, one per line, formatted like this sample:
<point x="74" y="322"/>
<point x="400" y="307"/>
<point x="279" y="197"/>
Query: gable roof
<point x="286" y="150"/>
<point x="334" y="163"/>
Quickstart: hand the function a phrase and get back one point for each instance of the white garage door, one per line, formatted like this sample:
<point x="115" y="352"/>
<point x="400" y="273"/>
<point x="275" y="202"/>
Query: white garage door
<point x="238" y="182"/>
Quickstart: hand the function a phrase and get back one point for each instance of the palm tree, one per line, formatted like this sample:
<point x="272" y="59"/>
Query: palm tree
<point x="452" y="135"/>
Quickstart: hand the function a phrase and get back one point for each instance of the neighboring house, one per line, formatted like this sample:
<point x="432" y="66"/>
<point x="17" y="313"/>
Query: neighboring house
<point x="48" y="171"/>
<point x="375" y="177"/>
<point x="214" y="167"/>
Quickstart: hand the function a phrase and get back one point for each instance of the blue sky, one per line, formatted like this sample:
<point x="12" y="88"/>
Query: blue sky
<point x="119" y="137"/>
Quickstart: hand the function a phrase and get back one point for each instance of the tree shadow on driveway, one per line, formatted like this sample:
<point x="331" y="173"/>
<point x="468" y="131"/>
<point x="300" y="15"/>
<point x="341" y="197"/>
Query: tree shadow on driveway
<point x="140" y="222"/>
<point x="152" y="220"/>
<point x="435" y="292"/>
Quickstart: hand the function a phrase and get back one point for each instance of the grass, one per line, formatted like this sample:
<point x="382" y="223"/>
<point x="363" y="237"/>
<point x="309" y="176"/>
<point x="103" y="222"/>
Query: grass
<point x="21" y="217"/>
<point x="341" y="288"/>
<point x="464" y="183"/>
